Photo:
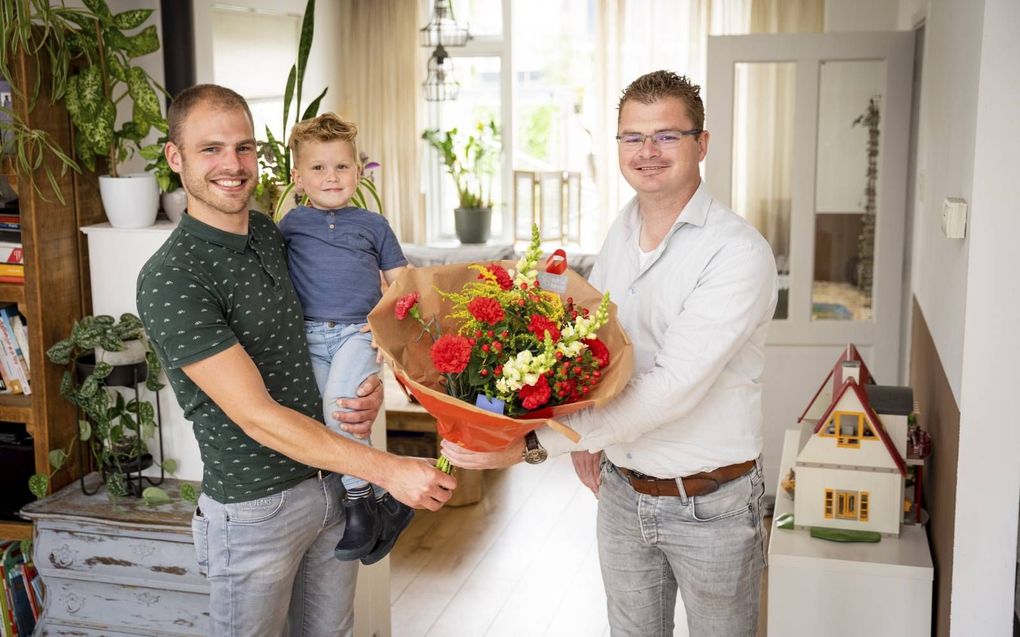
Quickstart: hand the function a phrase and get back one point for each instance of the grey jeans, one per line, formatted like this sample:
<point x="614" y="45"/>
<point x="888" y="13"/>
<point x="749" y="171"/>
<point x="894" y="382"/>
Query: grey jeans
<point x="711" y="547"/>
<point x="270" y="563"/>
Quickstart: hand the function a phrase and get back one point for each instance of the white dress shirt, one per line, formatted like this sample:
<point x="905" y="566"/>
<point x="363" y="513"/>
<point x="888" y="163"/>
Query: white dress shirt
<point x="696" y="312"/>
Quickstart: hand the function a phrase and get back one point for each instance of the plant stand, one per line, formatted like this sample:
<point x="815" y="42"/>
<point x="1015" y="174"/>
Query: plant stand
<point x="131" y="376"/>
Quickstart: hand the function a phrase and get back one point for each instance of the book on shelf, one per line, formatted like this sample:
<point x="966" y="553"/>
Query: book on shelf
<point x="16" y="588"/>
<point x="11" y="382"/>
<point x="6" y="608"/>
<point x="29" y="574"/>
<point x="11" y="353"/>
<point x="12" y="273"/>
<point x="11" y="253"/>
<point x="21" y="335"/>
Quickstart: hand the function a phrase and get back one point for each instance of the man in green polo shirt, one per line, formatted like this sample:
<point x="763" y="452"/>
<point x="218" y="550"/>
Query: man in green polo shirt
<point x="218" y="305"/>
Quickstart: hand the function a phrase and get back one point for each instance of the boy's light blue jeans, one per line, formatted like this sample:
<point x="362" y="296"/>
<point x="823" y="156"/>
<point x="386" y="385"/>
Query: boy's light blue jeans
<point x="270" y="563"/>
<point x="342" y="357"/>
<point x="711" y="547"/>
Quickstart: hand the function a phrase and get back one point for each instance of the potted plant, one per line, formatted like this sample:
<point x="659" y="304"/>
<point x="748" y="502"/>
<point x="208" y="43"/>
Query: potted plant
<point x="112" y="427"/>
<point x="90" y="51"/>
<point x="172" y="199"/>
<point x="470" y="160"/>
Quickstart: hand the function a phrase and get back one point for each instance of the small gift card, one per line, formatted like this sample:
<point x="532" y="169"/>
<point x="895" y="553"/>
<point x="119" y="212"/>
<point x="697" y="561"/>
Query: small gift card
<point x="494" y="405"/>
<point x="553" y="282"/>
<point x="554" y="279"/>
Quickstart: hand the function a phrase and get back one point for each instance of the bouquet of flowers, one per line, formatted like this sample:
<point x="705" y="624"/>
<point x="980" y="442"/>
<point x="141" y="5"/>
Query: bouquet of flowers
<point x="496" y="350"/>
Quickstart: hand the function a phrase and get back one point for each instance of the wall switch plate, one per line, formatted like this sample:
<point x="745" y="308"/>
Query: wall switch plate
<point x="954" y="218"/>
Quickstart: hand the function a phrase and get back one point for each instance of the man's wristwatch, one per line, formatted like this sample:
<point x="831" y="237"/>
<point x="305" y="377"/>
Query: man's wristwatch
<point x="534" y="452"/>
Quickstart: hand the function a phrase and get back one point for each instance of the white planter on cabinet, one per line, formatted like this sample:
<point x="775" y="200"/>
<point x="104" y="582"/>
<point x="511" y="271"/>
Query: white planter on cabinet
<point x="174" y="203"/>
<point x="131" y="201"/>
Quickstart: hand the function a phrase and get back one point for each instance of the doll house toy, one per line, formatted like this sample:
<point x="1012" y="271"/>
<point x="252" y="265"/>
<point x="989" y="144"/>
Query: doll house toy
<point x="852" y="462"/>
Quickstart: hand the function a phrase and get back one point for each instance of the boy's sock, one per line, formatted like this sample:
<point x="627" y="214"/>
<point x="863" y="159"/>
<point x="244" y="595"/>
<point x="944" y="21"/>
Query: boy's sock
<point x="359" y="492"/>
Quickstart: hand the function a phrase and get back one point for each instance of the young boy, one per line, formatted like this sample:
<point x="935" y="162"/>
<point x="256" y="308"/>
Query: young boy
<point x="336" y="252"/>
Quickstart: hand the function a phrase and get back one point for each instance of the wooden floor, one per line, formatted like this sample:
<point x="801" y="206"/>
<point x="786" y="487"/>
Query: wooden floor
<point x="523" y="561"/>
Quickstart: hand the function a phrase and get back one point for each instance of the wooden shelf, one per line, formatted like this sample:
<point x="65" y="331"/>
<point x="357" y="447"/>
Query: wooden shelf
<point x="12" y="293"/>
<point x="15" y="530"/>
<point x="16" y="408"/>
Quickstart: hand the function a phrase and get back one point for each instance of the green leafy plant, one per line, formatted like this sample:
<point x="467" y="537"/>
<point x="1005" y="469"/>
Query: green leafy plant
<point x="470" y="159"/>
<point x="275" y="192"/>
<point x="114" y="428"/>
<point x="90" y="54"/>
<point x="167" y="179"/>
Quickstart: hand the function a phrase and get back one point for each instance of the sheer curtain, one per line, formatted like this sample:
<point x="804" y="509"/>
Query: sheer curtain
<point x="763" y="137"/>
<point x="638" y="37"/>
<point x="381" y="71"/>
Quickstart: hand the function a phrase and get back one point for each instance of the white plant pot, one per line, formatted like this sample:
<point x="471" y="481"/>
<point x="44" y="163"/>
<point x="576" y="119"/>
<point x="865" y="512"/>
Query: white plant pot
<point x="174" y="203"/>
<point x="131" y="201"/>
<point x="133" y="352"/>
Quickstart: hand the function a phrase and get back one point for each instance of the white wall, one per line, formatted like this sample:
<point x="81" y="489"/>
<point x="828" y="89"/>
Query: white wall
<point x="988" y="479"/>
<point x="860" y="15"/>
<point x="968" y="147"/>
<point x="945" y="168"/>
<point x="322" y="70"/>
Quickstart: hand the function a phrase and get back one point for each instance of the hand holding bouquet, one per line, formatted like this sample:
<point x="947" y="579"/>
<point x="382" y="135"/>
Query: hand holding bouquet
<point x="492" y="352"/>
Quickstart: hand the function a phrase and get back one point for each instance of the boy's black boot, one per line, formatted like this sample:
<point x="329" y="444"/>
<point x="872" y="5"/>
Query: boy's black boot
<point x="361" y="534"/>
<point x="395" y="516"/>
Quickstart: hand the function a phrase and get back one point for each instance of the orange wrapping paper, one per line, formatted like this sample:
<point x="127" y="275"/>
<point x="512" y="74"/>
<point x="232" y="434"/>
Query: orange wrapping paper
<point x="456" y="420"/>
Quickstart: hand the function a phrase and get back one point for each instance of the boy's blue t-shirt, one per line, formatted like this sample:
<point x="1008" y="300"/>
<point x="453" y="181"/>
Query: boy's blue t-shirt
<point x="335" y="257"/>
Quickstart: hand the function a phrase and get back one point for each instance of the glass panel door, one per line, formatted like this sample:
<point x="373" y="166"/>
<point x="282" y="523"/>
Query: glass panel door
<point x="846" y="192"/>
<point x="763" y="116"/>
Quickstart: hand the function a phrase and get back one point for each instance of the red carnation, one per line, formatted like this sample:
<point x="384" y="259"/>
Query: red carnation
<point x="539" y="325"/>
<point x="534" y="396"/>
<point x="599" y="351"/>
<point x="404" y="305"/>
<point x="486" y="310"/>
<point x="502" y="276"/>
<point x="451" y="353"/>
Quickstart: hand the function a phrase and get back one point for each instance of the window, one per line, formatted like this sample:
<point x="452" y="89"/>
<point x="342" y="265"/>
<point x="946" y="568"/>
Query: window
<point x="846" y="505"/>
<point x="851" y="427"/>
<point x="244" y="39"/>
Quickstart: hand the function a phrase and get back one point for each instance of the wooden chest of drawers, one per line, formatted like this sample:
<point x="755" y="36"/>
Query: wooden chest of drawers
<point x="119" y="568"/>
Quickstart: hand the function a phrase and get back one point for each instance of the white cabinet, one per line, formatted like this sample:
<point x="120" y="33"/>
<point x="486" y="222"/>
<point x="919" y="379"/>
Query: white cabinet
<point x="817" y="587"/>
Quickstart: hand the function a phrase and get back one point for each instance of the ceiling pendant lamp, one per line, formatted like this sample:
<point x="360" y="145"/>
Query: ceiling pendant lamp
<point x="440" y="85"/>
<point x="442" y="29"/>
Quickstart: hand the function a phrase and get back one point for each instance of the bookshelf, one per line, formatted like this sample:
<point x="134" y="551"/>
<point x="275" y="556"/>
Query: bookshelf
<point x="56" y="290"/>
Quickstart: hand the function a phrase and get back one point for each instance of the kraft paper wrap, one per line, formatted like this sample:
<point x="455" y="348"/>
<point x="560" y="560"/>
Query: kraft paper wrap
<point x="458" y="421"/>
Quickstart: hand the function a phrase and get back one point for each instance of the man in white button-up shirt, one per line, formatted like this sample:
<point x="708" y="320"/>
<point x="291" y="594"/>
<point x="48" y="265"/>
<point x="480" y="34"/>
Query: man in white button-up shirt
<point x="680" y="480"/>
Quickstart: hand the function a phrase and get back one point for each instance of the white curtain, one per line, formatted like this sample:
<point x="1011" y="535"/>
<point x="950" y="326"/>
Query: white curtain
<point x="640" y="36"/>
<point x="763" y="128"/>
<point x="380" y="91"/>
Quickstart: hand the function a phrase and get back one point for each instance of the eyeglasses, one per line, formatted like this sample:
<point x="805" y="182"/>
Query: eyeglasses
<point x="661" y="139"/>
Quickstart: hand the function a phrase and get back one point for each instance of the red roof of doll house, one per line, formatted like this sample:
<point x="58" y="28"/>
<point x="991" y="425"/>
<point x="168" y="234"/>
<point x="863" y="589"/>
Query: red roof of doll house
<point x="862" y="397"/>
<point x="850" y="353"/>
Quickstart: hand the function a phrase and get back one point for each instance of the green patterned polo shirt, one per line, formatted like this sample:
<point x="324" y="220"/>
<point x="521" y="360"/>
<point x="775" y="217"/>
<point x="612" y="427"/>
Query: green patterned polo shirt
<point x="203" y="291"/>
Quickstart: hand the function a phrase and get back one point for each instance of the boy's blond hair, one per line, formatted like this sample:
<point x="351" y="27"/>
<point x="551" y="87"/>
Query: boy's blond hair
<point x="327" y="127"/>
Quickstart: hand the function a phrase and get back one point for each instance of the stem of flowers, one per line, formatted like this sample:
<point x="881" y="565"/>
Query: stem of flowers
<point x="443" y="464"/>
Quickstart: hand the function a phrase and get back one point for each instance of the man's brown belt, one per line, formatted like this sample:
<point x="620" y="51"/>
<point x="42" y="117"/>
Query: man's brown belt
<point x="694" y="485"/>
